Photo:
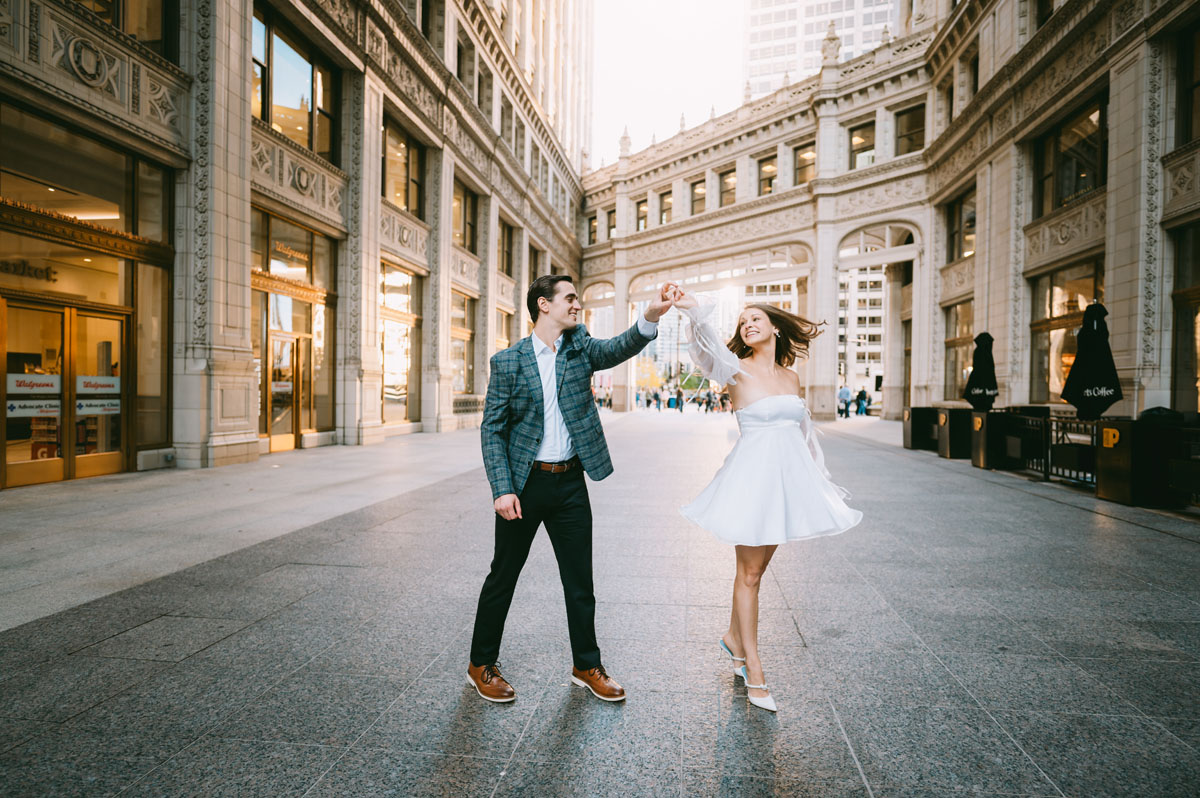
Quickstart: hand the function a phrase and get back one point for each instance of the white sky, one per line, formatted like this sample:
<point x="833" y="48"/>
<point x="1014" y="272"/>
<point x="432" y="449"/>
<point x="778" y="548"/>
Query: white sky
<point x="655" y="59"/>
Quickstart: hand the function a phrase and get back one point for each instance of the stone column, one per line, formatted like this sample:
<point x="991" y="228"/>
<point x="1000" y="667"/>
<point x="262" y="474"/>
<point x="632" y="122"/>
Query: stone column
<point x="215" y="386"/>
<point x="359" y="367"/>
<point x="822" y="296"/>
<point x="485" y="308"/>
<point x="681" y="190"/>
<point x="522" y="278"/>
<point x="785" y="160"/>
<point x="747" y="178"/>
<point x="437" y="396"/>
<point x="893" y="343"/>
<point x="623" y="375"/>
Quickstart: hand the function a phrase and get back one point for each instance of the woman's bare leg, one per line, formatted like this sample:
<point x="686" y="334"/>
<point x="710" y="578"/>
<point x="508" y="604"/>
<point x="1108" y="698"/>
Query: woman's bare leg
<point x="752" y="563"/>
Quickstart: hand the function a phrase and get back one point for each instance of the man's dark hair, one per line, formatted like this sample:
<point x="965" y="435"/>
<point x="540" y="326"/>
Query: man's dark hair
<point x="543" y="287"/>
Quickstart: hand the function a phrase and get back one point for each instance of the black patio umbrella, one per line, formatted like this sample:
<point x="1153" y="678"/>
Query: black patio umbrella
<point x="1092" y="384"/>
<point x="982" y="390"/>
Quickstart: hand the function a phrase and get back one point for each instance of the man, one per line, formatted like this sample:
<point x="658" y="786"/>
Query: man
<point x="844" y="401"/>
<point x="540" y="433"/>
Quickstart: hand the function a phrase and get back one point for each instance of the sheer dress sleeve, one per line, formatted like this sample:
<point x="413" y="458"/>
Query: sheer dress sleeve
<point x="707" y="349"/>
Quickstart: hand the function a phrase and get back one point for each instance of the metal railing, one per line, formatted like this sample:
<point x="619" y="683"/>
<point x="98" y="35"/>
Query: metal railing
<point x="1073" y="450"/>
<point x="1027" y="444"/>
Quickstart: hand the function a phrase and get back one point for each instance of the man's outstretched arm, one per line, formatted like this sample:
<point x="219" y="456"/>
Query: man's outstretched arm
<point x="604" y="354"/>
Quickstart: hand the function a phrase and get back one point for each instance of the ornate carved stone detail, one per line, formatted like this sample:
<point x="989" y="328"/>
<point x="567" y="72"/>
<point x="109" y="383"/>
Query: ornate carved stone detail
<point x="1002" y="120"/>
<point x="411" y="86"/>
<point x="464" y="268"/>
<point x="1065" y="232"/>
<point x="506" y="290"/>
<point x="790" y="219"/>
<point x="1070" y="64"/>
<point x="376" y="42"/>
<point x="163" y="103"/>
<point x="92" y="64"/>
<point x="912" y="43"/>
<point x="135" y="88"/>
<point x="860" y="64"/>
<point x="1124" y="15"/>
<point x="403" y="235"/>
<point x="352" y="275"/>
<point x="35" y="32"/>
<point x="8" y="23"/>
<point x="342" y="12"/>
<point x="202" y="175"/>
<point x="601" y="265"/>
<point x="886" y="195"/>
<point x="1016" y="274"/>
<point x="961" y="157"/>
<point x="468" y="149"/>
<point x="958" y="279"/>
<point x="289" y="174"/>
<point x="1150" y="207"/>
<point x="505" y="187"/>
<point x="1182" y="187"/>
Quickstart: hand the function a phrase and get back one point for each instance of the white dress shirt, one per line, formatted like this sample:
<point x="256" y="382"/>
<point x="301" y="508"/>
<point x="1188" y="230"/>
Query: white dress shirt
<point x="556" y="440"/>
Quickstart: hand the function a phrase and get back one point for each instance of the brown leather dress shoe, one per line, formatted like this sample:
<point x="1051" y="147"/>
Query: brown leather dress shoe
<point x="599" y="682"/>
<point x="490" y="685"/>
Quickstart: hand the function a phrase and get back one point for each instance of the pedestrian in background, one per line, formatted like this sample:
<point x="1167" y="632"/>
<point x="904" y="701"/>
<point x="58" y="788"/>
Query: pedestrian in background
<point x="843" y="396"/>
<point x="862" y="401"/>
<point x="679" y="399"/>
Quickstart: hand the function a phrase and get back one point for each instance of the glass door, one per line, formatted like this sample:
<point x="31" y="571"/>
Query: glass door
<point x="283" y="394"/>
<point x="96" y="361"/>
<point x="35" y="449"/>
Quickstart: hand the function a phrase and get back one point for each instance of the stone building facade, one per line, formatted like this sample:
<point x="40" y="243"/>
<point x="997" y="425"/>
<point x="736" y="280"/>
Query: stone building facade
<point x="323" y="218"/>
<point x="1006" y="162"/>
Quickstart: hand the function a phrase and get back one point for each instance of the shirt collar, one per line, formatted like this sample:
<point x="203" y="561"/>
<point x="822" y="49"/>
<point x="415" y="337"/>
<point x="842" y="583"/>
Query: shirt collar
<point x="540" y="346"/>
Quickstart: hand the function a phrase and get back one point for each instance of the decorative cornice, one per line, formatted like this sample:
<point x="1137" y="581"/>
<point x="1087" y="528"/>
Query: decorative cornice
<point x="51" y="226"/>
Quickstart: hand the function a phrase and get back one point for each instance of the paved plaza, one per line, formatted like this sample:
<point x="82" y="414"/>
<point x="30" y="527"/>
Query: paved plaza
<point x="977" y="633"/>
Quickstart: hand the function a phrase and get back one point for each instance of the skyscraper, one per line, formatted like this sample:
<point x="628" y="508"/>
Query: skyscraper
<point x="783" y="37"/>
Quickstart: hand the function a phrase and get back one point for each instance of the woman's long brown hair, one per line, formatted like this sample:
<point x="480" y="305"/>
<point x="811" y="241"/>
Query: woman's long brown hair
<point x="794" y="334"/>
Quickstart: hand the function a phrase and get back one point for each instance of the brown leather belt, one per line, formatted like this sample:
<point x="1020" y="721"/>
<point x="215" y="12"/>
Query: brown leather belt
<point x="556" y="468"/>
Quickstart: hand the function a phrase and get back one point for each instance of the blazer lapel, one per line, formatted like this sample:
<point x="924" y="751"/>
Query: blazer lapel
<point x="562" y="360"/>
<point x="530" y="369"/>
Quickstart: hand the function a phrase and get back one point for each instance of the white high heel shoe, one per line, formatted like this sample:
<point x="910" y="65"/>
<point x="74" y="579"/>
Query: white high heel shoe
<point x="767" y="702"/>
<point x="737" y="669"/>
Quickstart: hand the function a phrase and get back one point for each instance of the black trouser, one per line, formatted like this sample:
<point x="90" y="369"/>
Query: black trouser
<point x="560" y="501"/>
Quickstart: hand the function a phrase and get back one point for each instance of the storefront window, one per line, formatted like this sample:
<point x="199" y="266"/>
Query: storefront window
<point x="1071" y="160"/>
<point x="462" y="342"/>
<point x="153" y="356"/>
<point x="960" y="323"/>
<point x="1059" y="299"/>
<point x="44" y="267"/>
<point x="1185" y="370"/>
<point x="401" y="341"/>
<point x="293" y="90"/>
<point x="322" y="366"/>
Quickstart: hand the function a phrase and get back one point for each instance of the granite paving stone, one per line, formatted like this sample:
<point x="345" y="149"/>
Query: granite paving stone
<point x="971" y="633"/>
<point x="371" y="772"/>
<point x="716" y="784"/>
<point x="234" y="768"/>
<point x="1102" y="639"/>
<point x="939" y="747"/>
<point x="1010" y="681"/>
<point x="1106" y="756"/>
<point x="169" y="638"/>
<point x="68" y="686"/>
<point x="588" y="779"/>
<point x="888" y="678"/>
<point x="871" y="629"/>
<point x="1170" y="689"/>
<point x="14" y="731"/>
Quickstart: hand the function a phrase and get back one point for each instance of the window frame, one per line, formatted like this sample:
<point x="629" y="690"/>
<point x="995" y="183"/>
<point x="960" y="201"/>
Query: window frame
<point x="1187" y="105"/>
<point x="666" y="207"/>
<point x="275" y="25"/>
<point x="611" y="220"/>
<point x="1051" y="323"/>
<point x="810" y="164"/>
<point x="1047" y="159"/>
<point x="730" y="192"/>
<point x="766" y="184"/>
<point x="593" y="229"/>
<point x="699" y="192"/>
<point x="506" y="263"/>
<point x="470" y="208"/>
<point x="956" y="227"/>
<point x="860" y="150"/>
<point x="915" y="112"/>
<point x="960" y="344"/>
<point x="641" y="215"/>
<point x="415" y="176"/>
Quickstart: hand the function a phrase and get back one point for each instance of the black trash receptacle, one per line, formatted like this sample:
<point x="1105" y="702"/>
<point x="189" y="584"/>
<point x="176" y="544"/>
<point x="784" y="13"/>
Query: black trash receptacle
<point x="954" y="432"/>
<point x="987" y="440"/>
<point x="1134" y="459"/>
<point x="920" y="428"/>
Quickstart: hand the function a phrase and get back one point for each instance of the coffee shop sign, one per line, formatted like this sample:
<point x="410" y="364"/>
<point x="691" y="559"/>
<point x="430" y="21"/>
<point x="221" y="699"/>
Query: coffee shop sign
<point x="23" y="268"/>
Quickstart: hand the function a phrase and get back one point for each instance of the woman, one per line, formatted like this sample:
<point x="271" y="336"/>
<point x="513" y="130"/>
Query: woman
<point x="773" y="487"/>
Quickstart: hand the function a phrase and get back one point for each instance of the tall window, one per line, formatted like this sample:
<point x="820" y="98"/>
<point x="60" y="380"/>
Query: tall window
<point x="698" y="192"/>
<point x="154" y="23"/>
<point x="910" y="130"/>
<point x="960" y="227"/>
<point x="973" y="74"/>
<point x="507" y="259"/>
<point x="643" y="214"/>
<point x="504" y="322"/>
<point x="612" y="224"/>
<point x="464" y="213"/>
<point x="960" y="324"/>
<point x="1071" y="160"/>
<point x="946" y="97"/>
<point x="665" y="204"/>
<point x="1059" y="299"/>
<point x="592" y="229"/>
<point x="1185" y="370"/>
<point x="1044" y="9"/>
<point x="1187" y="115"/>
<point x="768" y="168"/>
<point x="806" y="162"/>
<point x="400" y="318"/>
<point x="462" y="342"/>
<point x="728" y="183"/>
<point x="862" y="145"/>
<point x="294" y="90"/>
<point x="403" y="170"/>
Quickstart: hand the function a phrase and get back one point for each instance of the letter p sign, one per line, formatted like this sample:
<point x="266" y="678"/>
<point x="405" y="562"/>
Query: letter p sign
<point x="1109" y="437"/>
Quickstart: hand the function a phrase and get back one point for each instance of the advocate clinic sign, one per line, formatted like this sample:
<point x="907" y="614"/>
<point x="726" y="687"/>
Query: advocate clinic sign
<point x="34" y="383"/>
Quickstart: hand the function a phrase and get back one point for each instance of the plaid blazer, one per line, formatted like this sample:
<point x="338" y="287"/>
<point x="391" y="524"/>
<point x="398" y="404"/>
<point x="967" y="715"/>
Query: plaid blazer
<point x="513" y="416"/>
